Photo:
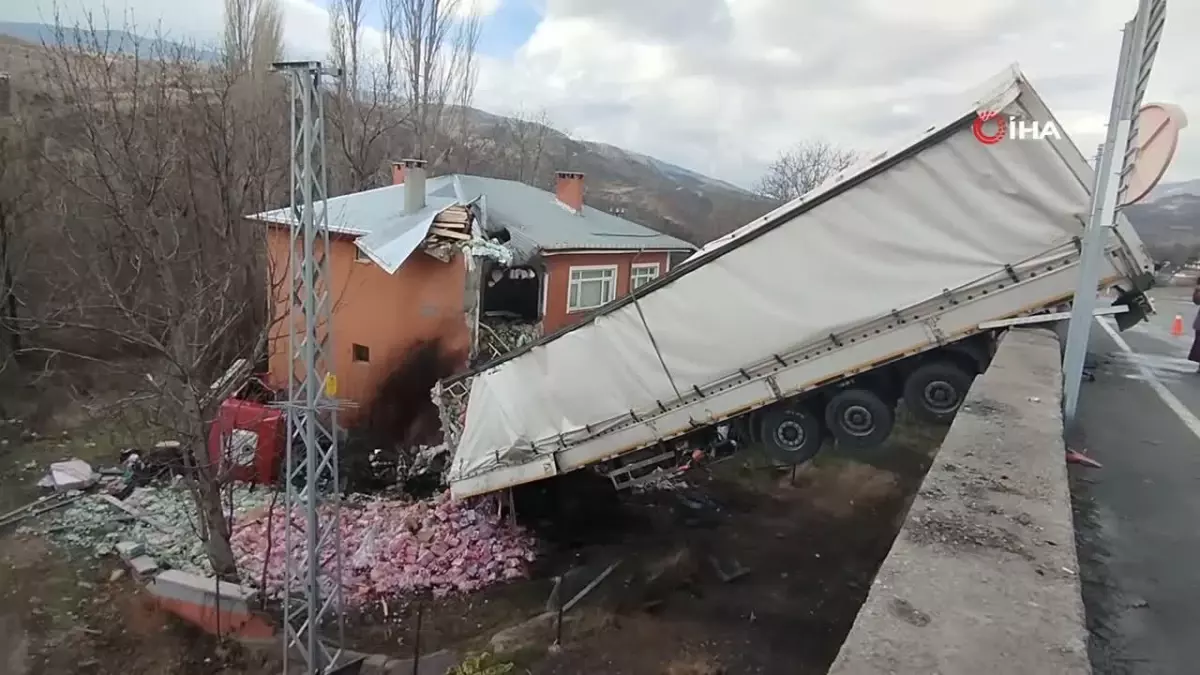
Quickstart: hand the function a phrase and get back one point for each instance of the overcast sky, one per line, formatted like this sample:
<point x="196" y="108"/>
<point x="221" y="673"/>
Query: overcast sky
<point x="721" y="86"/>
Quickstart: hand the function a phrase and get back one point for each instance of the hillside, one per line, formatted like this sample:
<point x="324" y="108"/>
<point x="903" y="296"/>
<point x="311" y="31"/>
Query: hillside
<point x="1169" y="221"/>
<point x="658" y="194"/>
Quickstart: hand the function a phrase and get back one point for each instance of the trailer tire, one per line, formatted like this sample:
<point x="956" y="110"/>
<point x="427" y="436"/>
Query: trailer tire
<point x="790" y="435"/>
<point x="935" y="391"/>
<point x="859" y="418"/>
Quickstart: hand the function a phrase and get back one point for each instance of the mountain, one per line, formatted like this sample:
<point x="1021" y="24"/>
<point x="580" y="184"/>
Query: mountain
<point x="1169" y="190"/>
<point x="1169" y="220"/>
<point x="115" y="41"/>
<point x="647" y="190"/>
<point x="658" y="194"/>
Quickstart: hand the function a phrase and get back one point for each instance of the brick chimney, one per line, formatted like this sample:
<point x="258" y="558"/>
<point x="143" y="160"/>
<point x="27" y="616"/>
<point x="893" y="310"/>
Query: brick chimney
<point x="411" y="174"/>
<point x="568" y="188"/>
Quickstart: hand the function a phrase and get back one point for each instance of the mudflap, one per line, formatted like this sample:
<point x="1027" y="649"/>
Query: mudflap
<point x="1139" y="308"/>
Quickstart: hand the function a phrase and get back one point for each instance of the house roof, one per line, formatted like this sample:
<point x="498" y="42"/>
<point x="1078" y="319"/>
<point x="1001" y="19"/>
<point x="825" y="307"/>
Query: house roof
<point x="535" y="219"/>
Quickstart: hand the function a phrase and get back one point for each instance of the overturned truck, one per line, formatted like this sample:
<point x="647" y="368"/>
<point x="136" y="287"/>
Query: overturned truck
<point x="886" y="284"/>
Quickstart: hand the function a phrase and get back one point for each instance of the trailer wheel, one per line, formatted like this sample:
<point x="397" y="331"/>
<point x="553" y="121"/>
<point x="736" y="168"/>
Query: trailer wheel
<point x="789" y="435"/>
<point x="858" y="418"/>
<point x="935" y="391"/>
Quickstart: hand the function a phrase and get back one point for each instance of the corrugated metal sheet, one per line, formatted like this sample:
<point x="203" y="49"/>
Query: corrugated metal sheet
<point x="544" y="222"/>
<point x="534" y="218"/>
<point x="391" y="246"/>
<point x="361" y="213"/>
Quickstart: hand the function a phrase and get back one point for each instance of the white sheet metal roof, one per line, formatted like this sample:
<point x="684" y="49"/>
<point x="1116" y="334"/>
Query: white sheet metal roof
<point x="534" y="218"/>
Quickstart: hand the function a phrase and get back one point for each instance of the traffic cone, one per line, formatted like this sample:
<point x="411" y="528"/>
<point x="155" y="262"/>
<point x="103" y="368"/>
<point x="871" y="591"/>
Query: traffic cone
<point x="1177" y="325"/>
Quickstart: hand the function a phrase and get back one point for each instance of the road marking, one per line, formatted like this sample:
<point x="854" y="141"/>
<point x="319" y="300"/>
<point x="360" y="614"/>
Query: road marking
<point x="1189" y="420"/>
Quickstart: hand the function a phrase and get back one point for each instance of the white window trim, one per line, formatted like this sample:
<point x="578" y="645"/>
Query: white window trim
<point x="546" y="293"/>
<point x="615" y="269"/>
<point x="636" y="267"/>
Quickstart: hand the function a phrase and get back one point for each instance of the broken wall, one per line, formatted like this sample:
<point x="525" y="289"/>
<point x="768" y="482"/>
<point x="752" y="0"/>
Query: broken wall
<point x="376" y="315"/>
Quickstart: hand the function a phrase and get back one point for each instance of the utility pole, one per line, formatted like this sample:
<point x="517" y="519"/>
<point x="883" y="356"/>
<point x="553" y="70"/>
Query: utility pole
<point x="312" y="595"/>
<point x="1117" y="158"/>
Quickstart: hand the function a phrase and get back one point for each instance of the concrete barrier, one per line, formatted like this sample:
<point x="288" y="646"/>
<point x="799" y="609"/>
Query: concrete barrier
<point x="217" y="607"/>
<point x="983" y="577"/>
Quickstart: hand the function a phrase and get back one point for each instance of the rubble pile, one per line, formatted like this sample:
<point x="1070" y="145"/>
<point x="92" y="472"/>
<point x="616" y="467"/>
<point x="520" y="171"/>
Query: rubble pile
<point x="451" y="403"/>
<point x="499" y="336"/>
<point x="165" y="524"/>
<point x="391" y="548"/>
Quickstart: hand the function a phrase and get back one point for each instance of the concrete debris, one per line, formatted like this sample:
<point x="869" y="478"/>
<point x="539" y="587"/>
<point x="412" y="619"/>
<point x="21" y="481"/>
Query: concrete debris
<point x="499" y="336"/>
<point x="73" y="474"/>
<point x="428" y="460"/>
<point x="451" y="403"/>
<point x="483" y="248"/>
<point x="392" y="548"/>
<point x="166" y="532"/>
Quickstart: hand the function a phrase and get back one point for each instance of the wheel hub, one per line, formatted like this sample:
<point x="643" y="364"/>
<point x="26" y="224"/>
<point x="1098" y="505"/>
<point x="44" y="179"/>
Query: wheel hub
<point x="940" y="396"/>
<point x="858" y="420"/>
<point x="789" y="435"/>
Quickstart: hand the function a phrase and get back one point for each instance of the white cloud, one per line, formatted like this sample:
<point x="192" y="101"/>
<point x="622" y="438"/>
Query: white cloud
<point x="721" y="86"/>
<point x="769" y="73"/>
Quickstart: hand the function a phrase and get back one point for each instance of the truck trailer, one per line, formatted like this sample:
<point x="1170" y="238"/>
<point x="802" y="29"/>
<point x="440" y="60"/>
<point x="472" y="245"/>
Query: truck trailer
<point x="890" y="283"/>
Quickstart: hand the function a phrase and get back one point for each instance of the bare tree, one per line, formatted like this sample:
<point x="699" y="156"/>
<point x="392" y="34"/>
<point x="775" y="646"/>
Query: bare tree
<point x="253" y="35"/>
<point x="519" y="145"/>
<point x="804" y="167"/>
<point x="435" y="41"/>
<point x="158" y="159"/>
<point x="21" y="193"/>
<point x="365" y="110"/>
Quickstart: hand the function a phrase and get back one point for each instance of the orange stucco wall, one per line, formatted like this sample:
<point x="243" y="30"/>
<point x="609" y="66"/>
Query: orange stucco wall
<point x="387" y="313"/>
<point x="558" y="267"/>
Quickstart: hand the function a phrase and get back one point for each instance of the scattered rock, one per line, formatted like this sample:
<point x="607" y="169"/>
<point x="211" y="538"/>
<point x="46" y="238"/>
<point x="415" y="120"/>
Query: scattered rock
<point x="666" y="575"/>
<point x="905" y="611"/>
<point x="143" y="565"/>
<point x="536" y="632"/>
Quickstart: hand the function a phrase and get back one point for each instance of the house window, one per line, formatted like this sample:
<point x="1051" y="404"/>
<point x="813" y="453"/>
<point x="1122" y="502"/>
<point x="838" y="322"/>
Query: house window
<point x="640" y="275"/>
<point x="591" y="287"/>
<point x="359" y="256"/>
<point x="361" y="353"/>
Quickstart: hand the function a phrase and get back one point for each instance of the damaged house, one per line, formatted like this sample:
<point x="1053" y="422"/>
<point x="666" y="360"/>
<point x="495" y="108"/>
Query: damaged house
<point x="431" y="273"/>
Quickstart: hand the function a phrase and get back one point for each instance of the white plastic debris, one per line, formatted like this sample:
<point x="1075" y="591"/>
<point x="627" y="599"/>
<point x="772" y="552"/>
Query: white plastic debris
<point x="73" y="474"/>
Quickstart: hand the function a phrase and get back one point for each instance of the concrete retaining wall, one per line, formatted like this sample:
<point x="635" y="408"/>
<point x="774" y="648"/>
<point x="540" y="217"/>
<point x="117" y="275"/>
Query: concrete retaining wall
<point x="983" y="576"/>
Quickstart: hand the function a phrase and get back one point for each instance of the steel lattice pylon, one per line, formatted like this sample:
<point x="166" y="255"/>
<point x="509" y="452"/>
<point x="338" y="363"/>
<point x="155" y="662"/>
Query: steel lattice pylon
<point x="313" y="585"/>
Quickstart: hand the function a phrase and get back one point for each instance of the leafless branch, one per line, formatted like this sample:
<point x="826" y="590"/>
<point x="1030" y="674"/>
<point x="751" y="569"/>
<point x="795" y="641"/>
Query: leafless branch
<point x="803" y="168"/>
<point x="160" y="157"/>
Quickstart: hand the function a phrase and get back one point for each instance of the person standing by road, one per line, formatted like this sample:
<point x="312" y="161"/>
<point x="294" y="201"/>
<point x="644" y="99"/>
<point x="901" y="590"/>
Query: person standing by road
<point x="1194" y="355"/>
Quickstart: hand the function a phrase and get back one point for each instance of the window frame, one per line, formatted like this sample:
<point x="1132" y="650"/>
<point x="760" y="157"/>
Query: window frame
<point x="360" y="256"/>
<point x="633" y="274"/>
<point x="355" y="354"/>
<point x="614" y="272"/>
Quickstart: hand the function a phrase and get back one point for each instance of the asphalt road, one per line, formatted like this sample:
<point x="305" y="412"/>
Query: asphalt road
<point x="1138" y="517"/>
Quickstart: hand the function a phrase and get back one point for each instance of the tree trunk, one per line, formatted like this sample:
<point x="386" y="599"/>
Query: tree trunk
<point x="214" y="526"/>
<point x="8" y="318"/>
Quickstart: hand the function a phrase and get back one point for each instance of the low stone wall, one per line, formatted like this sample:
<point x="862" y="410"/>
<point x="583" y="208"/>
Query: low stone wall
<point x="983" y="577"/>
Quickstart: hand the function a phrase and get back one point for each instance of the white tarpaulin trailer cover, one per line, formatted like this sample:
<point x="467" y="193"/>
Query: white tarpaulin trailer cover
<point x="940" y="214"/>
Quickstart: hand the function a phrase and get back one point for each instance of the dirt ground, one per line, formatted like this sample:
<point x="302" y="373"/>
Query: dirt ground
<point x="809" y="544"/>
<point x="810" y="547"/>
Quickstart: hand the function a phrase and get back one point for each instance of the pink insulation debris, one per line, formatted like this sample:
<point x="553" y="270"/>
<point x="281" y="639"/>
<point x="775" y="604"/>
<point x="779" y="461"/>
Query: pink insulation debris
<point x="390" y="548"/>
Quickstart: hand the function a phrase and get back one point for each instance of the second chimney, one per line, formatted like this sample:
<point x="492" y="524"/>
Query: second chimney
<point x="568" y="188"/>
<point x="411" y="174"/>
